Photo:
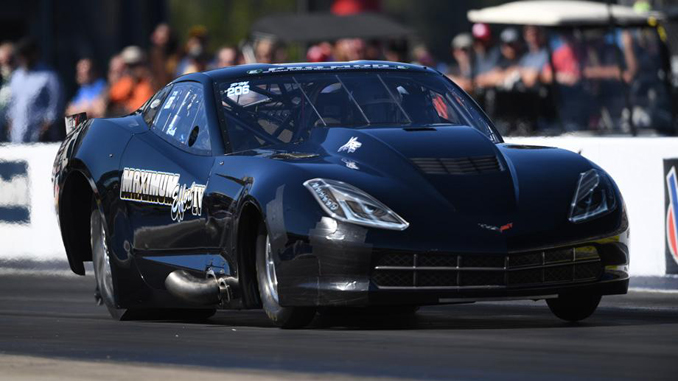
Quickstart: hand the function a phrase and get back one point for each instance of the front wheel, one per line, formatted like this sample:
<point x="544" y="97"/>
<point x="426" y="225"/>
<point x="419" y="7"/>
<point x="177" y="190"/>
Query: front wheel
<point x="574" y="307"/>
<point x="284" y="317"/>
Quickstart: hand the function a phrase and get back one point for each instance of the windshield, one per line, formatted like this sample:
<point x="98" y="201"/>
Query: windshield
<point x="273" y="109"/>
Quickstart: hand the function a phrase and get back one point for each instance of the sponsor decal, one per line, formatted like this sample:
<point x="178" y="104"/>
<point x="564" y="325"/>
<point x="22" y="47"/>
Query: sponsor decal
<point x="171" y="99"/>
<point x="161" y="188"/>
<point x="351" y="145"/>
<point x="187" y="199"/>
<point x="282" y="69"/>
<point x="498" y="229"/>
<point x="15" y="202"/>
<point x="238" y="88"/>
<point x="350" y="164"/>
<point x="671" y="225"/>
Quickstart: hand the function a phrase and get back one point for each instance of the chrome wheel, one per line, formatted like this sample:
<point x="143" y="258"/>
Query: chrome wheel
<point x="267" y="280"/>
<point x="271" y="278"/>
<point x="103" y="272"/>
<point x="105" y="265"/>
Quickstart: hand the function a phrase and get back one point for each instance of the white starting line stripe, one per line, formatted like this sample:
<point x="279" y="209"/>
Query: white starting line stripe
<point x="28" y="272"/>
<point x="652" y="290"/>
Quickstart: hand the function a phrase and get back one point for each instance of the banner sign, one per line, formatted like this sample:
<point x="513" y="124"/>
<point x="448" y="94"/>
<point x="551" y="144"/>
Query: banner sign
<point x="15" y="203"/>
<point x="671" y="219"/>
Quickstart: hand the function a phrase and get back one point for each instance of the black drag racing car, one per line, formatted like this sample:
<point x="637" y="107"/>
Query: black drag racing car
<point x="305" y="186"/>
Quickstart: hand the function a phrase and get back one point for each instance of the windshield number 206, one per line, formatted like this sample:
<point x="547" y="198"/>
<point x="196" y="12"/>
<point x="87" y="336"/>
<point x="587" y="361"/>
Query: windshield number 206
<point x="238" y="88"/>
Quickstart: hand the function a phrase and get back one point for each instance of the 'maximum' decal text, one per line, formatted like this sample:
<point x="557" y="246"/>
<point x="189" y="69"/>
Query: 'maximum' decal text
<point x="148" y="186"/>
<point x="162" y="188"/>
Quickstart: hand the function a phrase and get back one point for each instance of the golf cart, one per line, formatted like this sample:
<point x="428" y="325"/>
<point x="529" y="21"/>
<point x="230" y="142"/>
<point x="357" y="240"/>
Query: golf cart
<point x="607" y="71"/>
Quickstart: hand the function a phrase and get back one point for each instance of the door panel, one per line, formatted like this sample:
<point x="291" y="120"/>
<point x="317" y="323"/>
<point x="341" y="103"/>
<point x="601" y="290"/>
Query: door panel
<point x="163" y="188"/>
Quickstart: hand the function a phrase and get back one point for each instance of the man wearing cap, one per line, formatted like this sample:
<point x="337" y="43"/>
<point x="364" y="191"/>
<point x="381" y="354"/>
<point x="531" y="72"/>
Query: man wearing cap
<point x="505" y="73"/>
<point x="134" y="87"/>
<point x="462" y="72"/>
<point x="486" y="55"/>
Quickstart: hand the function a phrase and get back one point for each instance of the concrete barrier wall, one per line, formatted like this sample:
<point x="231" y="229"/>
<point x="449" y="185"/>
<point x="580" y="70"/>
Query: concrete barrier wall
<point x="635" y="163"/>
<point x="28" y="224"/>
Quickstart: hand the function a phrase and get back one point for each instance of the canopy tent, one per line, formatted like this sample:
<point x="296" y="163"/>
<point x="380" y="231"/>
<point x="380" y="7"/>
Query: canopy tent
<point x="560" y="13"/>
<point x="312" y="27"/>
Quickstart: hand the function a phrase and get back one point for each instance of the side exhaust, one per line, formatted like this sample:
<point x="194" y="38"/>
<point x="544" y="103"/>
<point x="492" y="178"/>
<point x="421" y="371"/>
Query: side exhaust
<point x="207" y="291"/>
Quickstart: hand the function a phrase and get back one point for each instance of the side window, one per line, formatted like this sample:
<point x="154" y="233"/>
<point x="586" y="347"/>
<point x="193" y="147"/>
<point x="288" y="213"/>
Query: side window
<point x="154" y="104"/>
<point x="182" y="119"/>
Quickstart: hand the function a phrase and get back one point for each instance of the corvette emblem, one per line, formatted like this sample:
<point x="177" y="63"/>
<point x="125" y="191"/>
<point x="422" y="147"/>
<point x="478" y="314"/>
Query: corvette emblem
<point x="498" y="229"/>
<point x="351" y="145"/>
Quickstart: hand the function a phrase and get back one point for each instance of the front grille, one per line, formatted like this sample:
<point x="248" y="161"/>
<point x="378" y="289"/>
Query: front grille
<point x="458" y="165"/>
<point x="441" y="270"/>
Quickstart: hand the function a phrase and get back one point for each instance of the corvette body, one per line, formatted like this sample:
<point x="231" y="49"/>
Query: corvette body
<point x="364" y="183"/>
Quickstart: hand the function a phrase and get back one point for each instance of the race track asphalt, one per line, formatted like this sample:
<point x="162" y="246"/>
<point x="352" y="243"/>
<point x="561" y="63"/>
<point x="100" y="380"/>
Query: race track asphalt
<point x="630" y="337"/>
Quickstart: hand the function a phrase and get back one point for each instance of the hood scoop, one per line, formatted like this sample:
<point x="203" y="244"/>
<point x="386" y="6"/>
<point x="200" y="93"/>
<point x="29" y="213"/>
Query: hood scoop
<point x="292" y="155"/>
<point x="459" y="165"/>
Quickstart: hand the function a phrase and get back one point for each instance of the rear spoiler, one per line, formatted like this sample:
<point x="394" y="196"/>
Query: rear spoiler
<point x="74" y="120"/>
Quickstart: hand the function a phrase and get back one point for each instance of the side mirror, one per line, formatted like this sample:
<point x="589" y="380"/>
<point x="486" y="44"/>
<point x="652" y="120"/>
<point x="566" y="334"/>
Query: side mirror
<point x="193" y="136"/>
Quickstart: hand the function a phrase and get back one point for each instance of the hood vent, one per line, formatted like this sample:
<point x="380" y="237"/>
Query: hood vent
<point x="458" y="165"/>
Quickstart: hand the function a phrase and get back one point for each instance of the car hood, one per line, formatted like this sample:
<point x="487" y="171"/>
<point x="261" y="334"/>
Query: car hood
<point x="452" y="180"/>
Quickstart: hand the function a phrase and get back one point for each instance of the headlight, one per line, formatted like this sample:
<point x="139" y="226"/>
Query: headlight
<point x="348" y="203"/>
<point x="594" y="197"/>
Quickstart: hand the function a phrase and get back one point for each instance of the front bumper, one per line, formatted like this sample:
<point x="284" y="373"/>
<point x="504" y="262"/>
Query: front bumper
<point x="332" y="274"/>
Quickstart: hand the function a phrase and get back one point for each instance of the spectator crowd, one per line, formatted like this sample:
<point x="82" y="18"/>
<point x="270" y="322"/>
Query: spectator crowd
<point x="32" y="98"/>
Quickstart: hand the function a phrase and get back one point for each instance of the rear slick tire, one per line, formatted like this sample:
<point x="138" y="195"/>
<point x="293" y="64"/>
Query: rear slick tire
<point x="283" y="317"/>
<point x="103" y="274"/>
<point x="105" y="280"/>
<point x="574" y="307"/>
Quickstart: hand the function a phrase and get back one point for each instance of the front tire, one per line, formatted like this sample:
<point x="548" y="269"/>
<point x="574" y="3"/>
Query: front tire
<point x="574" y="307"/>
<point x="284" y="317"/>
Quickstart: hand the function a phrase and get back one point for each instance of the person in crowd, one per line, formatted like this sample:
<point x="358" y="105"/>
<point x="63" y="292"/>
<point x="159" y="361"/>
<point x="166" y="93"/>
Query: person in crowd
<point x="226" y="56"/>
<point x="536" y="58"/>
<point x="134" y="87"/>
<point x="280" y="53"/>
<point x="194" y="50"/>
<point x="197" y="61"/>
<point x="396" y="51"/>
<point x="349" y="49"/>
<point x="163" y="58"/>
<point x="36" y="99"/>
<point x="462" y="72"/>
<point x="7" y="68"/>
<point x="264" y="50"/>
<point x="573" y="102"/>
<point x="116" y="68"/>
<point x="566" y="62"/>
<point x="422" y="56"/>
<point x="505" y="73"/>
<point x="373" y="50"/>
<point x="602" y="56"/>
<point x="485" y="54"/>
<point x="91" y="95"/>
<point x="321" y="52"/>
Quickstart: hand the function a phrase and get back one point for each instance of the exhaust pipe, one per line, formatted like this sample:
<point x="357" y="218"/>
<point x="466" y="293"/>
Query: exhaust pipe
<point x="191" y="289"/>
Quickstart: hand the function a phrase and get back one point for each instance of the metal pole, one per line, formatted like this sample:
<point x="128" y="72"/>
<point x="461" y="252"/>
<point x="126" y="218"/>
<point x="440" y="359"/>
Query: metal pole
<point x="627" y="92"/>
